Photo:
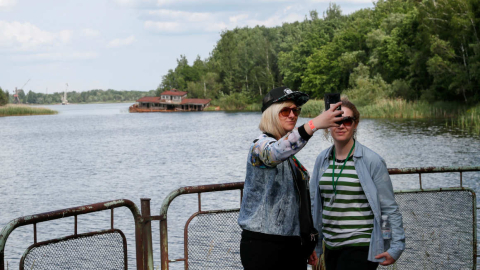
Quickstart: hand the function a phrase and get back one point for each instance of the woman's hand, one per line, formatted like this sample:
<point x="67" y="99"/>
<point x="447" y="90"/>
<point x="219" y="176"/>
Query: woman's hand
<point x="313" y="259"/>
<point x="388" y="259"/>
<point x="326" y="119"/>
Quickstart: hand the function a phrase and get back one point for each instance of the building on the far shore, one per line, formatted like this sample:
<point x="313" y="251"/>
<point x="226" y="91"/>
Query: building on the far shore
<point x="171" y="100"/>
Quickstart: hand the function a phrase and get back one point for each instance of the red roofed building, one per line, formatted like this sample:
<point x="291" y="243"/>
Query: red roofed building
<point x="172" y="100"/>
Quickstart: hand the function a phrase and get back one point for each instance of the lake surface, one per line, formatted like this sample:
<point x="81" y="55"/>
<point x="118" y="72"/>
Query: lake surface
<point x="99" y="152"/>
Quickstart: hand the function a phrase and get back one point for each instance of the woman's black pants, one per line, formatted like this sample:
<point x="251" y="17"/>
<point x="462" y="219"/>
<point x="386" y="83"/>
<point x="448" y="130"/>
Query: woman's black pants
<point x="348" y="258"/>
<point x="265" y="252"/>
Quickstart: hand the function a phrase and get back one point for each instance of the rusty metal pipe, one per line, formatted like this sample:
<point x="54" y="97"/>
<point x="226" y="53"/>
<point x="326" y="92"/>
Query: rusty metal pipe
<point x="461" y="180"/>
<point x="164" y="244"/>
<point x="147" y="235"/>
<point x="68" y="212"/>
<point x="413" y="170"/>
<point x="195" y="189"/>
<point x="199" y="202"/>
<point x="166" y="203"/>
<point x="420" y="179"/>
<point x="34" y="233"/>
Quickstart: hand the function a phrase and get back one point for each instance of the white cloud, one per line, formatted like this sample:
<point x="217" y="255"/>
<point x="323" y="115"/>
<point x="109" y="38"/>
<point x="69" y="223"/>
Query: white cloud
<point x="90" y="32"/>
<point x="118" y="42"/>
<point x="164" y="26"/>
<point x="7" y="3"/>
<point x="343" y="2"/>
<point x="276" y="20"/>
<point x="55" y="56"/>
<point x="24" y="36"/>
<point x="161" y="3"/>
<point x="135" y="3"/>
<point x="237" y="18"/>
<point x="183" y="22"/>
<point x="166" y="14"/>
<point x="166" y="2"/>
<point x="182" y="27"/>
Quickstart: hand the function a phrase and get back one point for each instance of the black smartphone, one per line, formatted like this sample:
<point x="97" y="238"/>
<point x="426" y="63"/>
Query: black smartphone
<point x="332" y="98"/>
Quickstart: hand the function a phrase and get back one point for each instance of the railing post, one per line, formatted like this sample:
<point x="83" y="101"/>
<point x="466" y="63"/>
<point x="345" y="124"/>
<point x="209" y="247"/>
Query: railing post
<point x="164" y="243"/>
<point x="147" y="235"/>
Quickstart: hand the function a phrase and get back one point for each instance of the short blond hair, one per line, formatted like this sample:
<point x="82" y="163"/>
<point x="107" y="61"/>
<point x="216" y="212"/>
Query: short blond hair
<point x="270" y="122"/>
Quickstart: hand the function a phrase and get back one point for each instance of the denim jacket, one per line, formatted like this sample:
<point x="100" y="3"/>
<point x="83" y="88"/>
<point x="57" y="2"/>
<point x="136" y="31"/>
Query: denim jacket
<point x="375" y="181"/>
<point x="270" y="203"/>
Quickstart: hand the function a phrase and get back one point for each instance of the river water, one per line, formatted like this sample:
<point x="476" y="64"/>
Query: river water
<point x="98" y="152"/>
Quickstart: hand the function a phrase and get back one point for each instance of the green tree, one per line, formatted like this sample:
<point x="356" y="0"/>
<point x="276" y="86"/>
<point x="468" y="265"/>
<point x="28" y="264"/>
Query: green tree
<point x="31" y="97"/>
<point x="3" y="98"/>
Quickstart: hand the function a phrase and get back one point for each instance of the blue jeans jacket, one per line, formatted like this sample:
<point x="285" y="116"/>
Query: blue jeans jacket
<point x="270" y="203"/>
<point x="375" y="181"/>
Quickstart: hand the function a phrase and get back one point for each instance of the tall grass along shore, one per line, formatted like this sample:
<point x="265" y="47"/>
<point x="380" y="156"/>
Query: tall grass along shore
<point x="469" y="120"/>
<point x="455" y="114"/>
<point x="19" y="110"/>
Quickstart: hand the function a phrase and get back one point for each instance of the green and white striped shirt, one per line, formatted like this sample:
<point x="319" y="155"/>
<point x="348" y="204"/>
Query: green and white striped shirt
<point x="349" y="221"/>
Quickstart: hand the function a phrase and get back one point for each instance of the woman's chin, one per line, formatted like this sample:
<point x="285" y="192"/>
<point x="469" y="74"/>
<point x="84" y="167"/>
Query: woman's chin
<point x="342" y="139"/>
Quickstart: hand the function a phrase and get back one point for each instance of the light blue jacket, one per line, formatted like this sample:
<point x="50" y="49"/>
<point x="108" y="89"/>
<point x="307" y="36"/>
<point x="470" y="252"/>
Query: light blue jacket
<point x="270" y="203"/>
<point x="375" y="181"/>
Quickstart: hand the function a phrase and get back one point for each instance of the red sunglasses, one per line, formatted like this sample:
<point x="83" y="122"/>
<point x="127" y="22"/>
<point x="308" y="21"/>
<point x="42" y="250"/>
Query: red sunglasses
<point x="286" y="111"/>
<point x="346" y="121"/>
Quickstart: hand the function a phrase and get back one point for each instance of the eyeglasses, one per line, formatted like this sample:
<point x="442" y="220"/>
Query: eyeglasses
<point x="286" y="111"/>
<point x="346" y="121"/>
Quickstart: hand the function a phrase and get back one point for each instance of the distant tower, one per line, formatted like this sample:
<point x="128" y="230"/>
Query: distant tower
<point x="64" y="99"/>
<point x="16" y="100"/>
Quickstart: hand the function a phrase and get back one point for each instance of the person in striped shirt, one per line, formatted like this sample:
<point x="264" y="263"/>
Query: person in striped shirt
<point x="351" y="190"/>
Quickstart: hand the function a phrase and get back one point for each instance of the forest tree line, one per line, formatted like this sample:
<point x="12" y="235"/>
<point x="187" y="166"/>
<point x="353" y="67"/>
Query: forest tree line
<point x="413" y="50"/>
<point x="91" y="96"/>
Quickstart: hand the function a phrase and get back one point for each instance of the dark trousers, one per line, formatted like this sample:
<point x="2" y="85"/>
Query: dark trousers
<point x="265" y="252"/>
<point x="345" y="258"/>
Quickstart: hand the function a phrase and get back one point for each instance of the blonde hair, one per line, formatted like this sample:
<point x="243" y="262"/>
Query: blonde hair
<point x="270" y="122"/>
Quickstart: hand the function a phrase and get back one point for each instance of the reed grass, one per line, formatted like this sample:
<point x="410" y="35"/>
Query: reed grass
<point x="469" y="120"/>
<point x="19" y="110"/>
<point x="456" y="114"/>
<point x="399" y="108"/>
<point x="255" y="107"/>
<point x="393" y="108"/>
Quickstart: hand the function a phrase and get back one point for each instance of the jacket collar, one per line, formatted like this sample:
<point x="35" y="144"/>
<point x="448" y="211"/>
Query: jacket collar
<point x="357" y="153"/>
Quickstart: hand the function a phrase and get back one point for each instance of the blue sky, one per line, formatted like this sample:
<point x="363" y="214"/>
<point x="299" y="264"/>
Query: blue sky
<point x="124" y="44"/>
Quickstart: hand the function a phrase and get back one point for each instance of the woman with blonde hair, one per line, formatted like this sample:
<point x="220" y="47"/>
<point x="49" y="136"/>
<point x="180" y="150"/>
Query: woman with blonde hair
<point x="352" y="195"/>
<point x="275" y="214"/>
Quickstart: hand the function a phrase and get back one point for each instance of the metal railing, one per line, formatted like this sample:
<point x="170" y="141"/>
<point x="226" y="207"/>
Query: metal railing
<point x="75" y="212"/>
<point x="165" y="260"/>
<point x="202" y="228"/>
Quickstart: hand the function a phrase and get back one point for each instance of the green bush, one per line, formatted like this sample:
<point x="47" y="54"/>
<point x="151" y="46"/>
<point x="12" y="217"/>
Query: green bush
<point x="235" y="102"/>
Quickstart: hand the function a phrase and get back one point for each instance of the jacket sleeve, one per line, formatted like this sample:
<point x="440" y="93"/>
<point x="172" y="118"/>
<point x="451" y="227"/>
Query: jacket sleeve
<point x="389" y="207"/>
<point x="267" y="151"/>
<point x="316" y="203"/>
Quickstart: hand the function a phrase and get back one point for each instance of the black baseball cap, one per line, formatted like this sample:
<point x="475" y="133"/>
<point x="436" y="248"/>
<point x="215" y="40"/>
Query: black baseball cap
<point x="283" y="93"/>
